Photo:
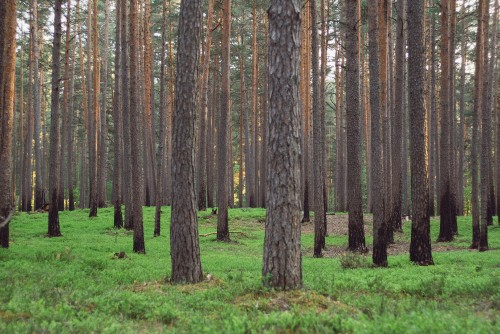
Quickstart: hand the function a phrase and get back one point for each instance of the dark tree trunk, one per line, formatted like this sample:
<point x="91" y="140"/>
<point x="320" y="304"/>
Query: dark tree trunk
<point x="184" y="243"/>
<point x="135" y="141"/>
<point x="37" y="114"/>
<point x="420" y="247"/>
<point x="282" y="265"/>
<point x="7" y="80"/>
<point x="117" y="126"/>
<point x="379" y="242"/>
<point x="53" y="223"/>
<point x="222" y="130"/>
<point x="354" y="139"/>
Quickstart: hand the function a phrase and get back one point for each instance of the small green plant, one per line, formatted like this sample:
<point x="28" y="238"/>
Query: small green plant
<point x="353" y="261"/>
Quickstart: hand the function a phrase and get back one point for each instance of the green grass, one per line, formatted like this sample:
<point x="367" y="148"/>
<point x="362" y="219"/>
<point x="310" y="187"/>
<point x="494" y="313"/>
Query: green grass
<point x="74" y="284"/>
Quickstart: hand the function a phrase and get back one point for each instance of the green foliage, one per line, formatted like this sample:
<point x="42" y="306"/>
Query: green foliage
<point x="76" y="284"/>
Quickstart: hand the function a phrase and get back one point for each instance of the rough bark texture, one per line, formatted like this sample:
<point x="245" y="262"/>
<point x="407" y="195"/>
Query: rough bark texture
<point x="135" y="141"/>
<point x="452" y="117"/>
<point x="53" y="223"/>
<point x="354" y="139"/>
<point x="282" y="265"/>
<point x="420" y="247"/>
<point x="117" y="127"/>
<point x="379" y="244"/>
<point x="184" y="243"/>
<point x="7" y="80"/>
<point x="461" y="127"/>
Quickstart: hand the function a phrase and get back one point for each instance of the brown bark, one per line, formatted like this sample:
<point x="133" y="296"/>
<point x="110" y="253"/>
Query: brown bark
<point x="37" y="113"/>
<point x="379" y="225"/>
<point x="7" y="81"/>
<point x="184" y="243"/>
<point x="103" y="130"/>
<point x="117" y="126"/>
<point x="354" y="136"/>
<point x="318" y="170"/>
<point x="461" y="127"/>
<point x="53" y="218"/>
<point x="420" y="247"/>
<point x="135" y="121"/>
<point x="447" y="206"/>
<point x="282" y="265"/>
<point x="222" y="129"/>
<point x="202" y="154"/>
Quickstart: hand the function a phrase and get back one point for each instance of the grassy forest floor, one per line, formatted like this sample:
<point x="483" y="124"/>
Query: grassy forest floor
<point x="76" y="284"/>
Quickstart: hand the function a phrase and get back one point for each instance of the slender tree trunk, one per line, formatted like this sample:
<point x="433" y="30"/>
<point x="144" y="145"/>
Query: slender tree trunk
<point x="243" y="112"/>
<point x="135" y="120"/>
<point x="21" y="130"/>
<point x="127" y="173"/>
<point x="184" y="243"/>
<point x="397" y="119"/>
<point x="7" y="92"/>
<point x="202" y="152"/>
<point x="379" y="243"/>
<point x="435" y="122"/>
<point x="252" y="168"/>
<point x="65" y="111"/>
<point x="476" y="116"/>
<point x="102" y="163"/>
<point x="452" y="117"/>
<point x="36" y="108"/>
<point x="461" y="136"/>
<point x="53" y="219"/>
<point x="222" y="129"/>
<point x="319" y="212"/>
<point x="263" y="129"/>
<point x="117" y="125"/>
<point x="485" y="135"/>
<point x="354" y="136"/>
<point x="160" y="193"/>
<point x="305" y="100"/>
<point x="282" y="265"/>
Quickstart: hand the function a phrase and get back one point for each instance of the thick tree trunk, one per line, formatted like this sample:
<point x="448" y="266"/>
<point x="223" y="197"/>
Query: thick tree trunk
<point x="7" y="88"/>
<point x="53" y="221"/>
<point x="282" y="265"/>
<point x="354" y="137"/>
<point x="420" y="247"/>
<point x="184" y="243"/>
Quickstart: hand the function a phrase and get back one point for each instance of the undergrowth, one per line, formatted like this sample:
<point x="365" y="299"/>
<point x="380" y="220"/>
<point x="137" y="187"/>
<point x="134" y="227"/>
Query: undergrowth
<point x="80" y="283"/>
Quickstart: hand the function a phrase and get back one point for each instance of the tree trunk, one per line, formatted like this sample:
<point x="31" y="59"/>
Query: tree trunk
<point x="37" y="114"/>
<point x="282" y="265"/>
<point x="452" y="118"/>
<point x="354" y="137"/>
<point x="53" y="221"/>
<point x="135" y="139"/>
<point x="222" y="129"/>
<point x="461" y="136"/>
<point x="445" y="191"/>
<point x="379" y="243"/>
<point x="202" y="154"/>
<point x="127" y="173"/>
<point x="420" y="247"/>
<point x="475" y="146"/>
<point x="184" y="243"/>
<point x="102" y="163"/>
<point x="7" y="88"/>
<point x="117" y="125"/>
